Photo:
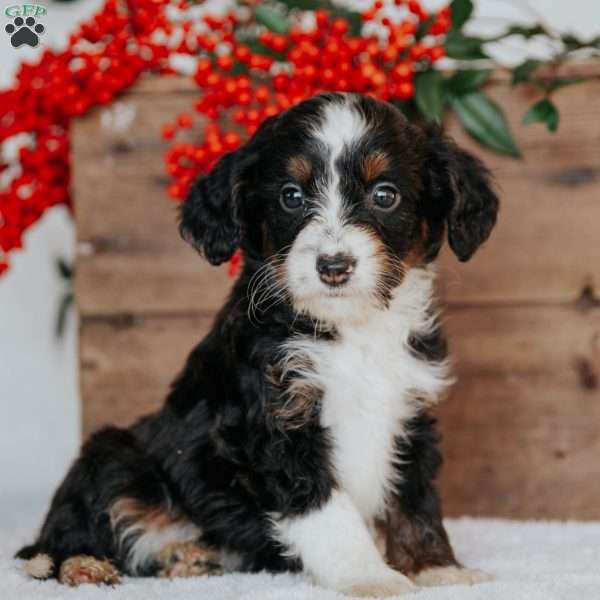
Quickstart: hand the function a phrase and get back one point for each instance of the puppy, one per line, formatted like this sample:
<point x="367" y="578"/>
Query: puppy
<point x="297" y="435"/>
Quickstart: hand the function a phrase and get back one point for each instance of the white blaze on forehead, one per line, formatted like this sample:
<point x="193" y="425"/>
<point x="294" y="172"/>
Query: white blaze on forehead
<point x="342" y="125"/>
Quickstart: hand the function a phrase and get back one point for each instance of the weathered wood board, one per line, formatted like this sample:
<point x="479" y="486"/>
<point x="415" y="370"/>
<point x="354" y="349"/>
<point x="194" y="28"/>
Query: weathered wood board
<point x="521" y="427"/>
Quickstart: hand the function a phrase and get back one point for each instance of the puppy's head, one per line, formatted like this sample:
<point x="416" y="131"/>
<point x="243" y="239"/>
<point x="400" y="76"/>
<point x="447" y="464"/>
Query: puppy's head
<point x="339" y="197"/>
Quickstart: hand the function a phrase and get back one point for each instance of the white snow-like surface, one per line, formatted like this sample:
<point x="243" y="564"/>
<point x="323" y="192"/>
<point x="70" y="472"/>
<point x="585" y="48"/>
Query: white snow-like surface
<point x="529" y="560"/>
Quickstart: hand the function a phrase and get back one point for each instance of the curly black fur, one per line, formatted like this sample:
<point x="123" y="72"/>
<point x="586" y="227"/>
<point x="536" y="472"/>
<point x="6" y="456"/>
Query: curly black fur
<point x="214" y="455"/>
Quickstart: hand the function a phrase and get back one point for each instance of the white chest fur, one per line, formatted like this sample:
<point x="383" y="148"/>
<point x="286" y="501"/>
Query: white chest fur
<point x="371" y="382"/>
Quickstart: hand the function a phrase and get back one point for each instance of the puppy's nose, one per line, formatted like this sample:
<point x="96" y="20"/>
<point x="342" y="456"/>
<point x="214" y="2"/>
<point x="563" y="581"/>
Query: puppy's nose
<point x="336" y="269"/>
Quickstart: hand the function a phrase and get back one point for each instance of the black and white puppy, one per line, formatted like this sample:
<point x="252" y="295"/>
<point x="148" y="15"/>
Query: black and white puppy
<point x="298" y="429"/>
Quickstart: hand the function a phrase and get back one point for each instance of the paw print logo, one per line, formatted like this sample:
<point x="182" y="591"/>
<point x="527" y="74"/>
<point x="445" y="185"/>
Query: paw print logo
<point x="24" y="31"/>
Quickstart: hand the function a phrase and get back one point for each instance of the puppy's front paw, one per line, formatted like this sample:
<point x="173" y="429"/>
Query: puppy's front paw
<point x="81" y="569"/>
<point x="389" y="584"/>
<point x="188" y="560"/>
<point x="450" y="576"/>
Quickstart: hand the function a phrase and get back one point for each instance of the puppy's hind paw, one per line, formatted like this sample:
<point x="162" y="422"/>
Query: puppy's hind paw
<point x="188" y="560"/>
<point x="392" y="584"/>
<point x="39" y="567"/>
<point x="81" y="569"/>
<point x="451" y="575"/>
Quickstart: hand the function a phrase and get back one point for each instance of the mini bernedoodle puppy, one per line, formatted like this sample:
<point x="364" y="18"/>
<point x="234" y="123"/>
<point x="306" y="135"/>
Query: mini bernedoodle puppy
<point x="297" y="436"/>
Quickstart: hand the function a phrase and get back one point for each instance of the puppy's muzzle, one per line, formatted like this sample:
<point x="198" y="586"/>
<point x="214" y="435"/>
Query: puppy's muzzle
<point x="335" y="270"/>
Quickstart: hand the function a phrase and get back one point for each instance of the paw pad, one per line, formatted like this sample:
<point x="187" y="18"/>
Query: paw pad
<point x="24" y="31"/>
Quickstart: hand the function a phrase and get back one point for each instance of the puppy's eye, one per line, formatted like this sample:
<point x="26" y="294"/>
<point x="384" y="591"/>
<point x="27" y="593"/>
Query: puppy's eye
<point x="386" y="196"/>
<point x="291" y="198"/>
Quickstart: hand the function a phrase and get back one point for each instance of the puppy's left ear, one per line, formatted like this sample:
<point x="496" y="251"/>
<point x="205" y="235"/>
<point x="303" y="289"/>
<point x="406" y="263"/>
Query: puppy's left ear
<point x="462" y="185"/>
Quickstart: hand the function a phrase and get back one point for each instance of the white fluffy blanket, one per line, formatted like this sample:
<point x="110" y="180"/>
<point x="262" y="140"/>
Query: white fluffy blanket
<point x="530" y="561"/>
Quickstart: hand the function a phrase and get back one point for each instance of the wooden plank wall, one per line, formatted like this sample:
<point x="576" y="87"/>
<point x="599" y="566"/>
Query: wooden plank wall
<point x="522" y="426"/>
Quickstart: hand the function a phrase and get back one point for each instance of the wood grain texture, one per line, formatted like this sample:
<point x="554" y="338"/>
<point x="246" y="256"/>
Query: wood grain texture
<point x="128" y="363"/>
<point x="520" y="446"/>
<point x="521" y="435"/>
<point x="543" y="249"/>
<point x="520" y="429"/>
<point x="131" y="259"/>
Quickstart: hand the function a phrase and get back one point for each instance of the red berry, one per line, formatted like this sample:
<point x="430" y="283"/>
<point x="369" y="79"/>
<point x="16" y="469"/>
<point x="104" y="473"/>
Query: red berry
<point x="231" y="140"/>
<point x="417" y="51"/>
<point x="184" y="120"/>
<point x="225" y="62"/>
<point x="403" y="70"/>
<point x="262" y="93"/>
<point x="436" y="53"/>
<point x="242" y="53"/>
<point x="339" y="26"/>
<point x="405" y="90"/>
<point x="238" y="115"/>
<point x="168" y="132"/>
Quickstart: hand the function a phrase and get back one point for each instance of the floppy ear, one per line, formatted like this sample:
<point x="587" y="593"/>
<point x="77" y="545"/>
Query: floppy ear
<point x="209" y="218"/>
<point x="462" y="184"/>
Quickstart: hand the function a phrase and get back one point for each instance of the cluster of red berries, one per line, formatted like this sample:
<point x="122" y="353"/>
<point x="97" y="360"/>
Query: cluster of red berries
<point x="243" y="81"/>
<point x="105" y="56"/>
<point x="242" y="85"/>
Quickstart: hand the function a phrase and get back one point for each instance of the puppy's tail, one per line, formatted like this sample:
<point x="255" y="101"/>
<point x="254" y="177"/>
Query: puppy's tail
<point x="38" y="564"/>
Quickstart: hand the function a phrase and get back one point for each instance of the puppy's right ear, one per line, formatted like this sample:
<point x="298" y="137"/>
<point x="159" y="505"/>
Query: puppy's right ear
<point x="210" y="214"/>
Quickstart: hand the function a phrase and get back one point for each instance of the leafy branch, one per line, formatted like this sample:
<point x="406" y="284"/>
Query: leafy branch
<point x="65" y="271"/>
<point x="461" y="92"/>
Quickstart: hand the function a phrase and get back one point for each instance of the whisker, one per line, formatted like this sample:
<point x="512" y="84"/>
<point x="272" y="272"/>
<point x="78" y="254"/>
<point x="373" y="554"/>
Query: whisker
<point x="265" y="285"/>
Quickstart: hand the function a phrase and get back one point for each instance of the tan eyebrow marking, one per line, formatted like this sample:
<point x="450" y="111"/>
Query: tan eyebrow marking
<point x="374" y="165"/>
<point x="300" y="168"/>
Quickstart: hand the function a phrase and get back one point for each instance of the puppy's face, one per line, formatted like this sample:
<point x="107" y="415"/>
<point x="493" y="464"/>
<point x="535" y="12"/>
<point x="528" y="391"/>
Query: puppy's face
<point x="338" y="198"/>
<point x="340" y="184"/>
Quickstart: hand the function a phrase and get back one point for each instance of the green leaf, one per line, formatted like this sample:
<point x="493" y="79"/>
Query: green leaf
<point x="463" y="47"/>
<point x="239" y="68"/>
<point x="258" y="47"/>
<point x="63" y="312"/>
<point x="430" y="94"/>
<point x="524" y="71"/>
<point x="485" y="121"/>
<point x="548" y="86"/>
<point x="526" y="32"/>
<point x="460" y="10"/>
<point x="356" y="23"/>
<point x="560" y="82"/>
<point x="303" y="4"/>
<point x="271" y="18"/>
<point x="64" y="268"/>
<point x="572" y="42"/>
<point x="354" y="19"/>
<point x="468" y="80"/>
<point x="424" y="26"/>
<point x="543" y="112"/>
